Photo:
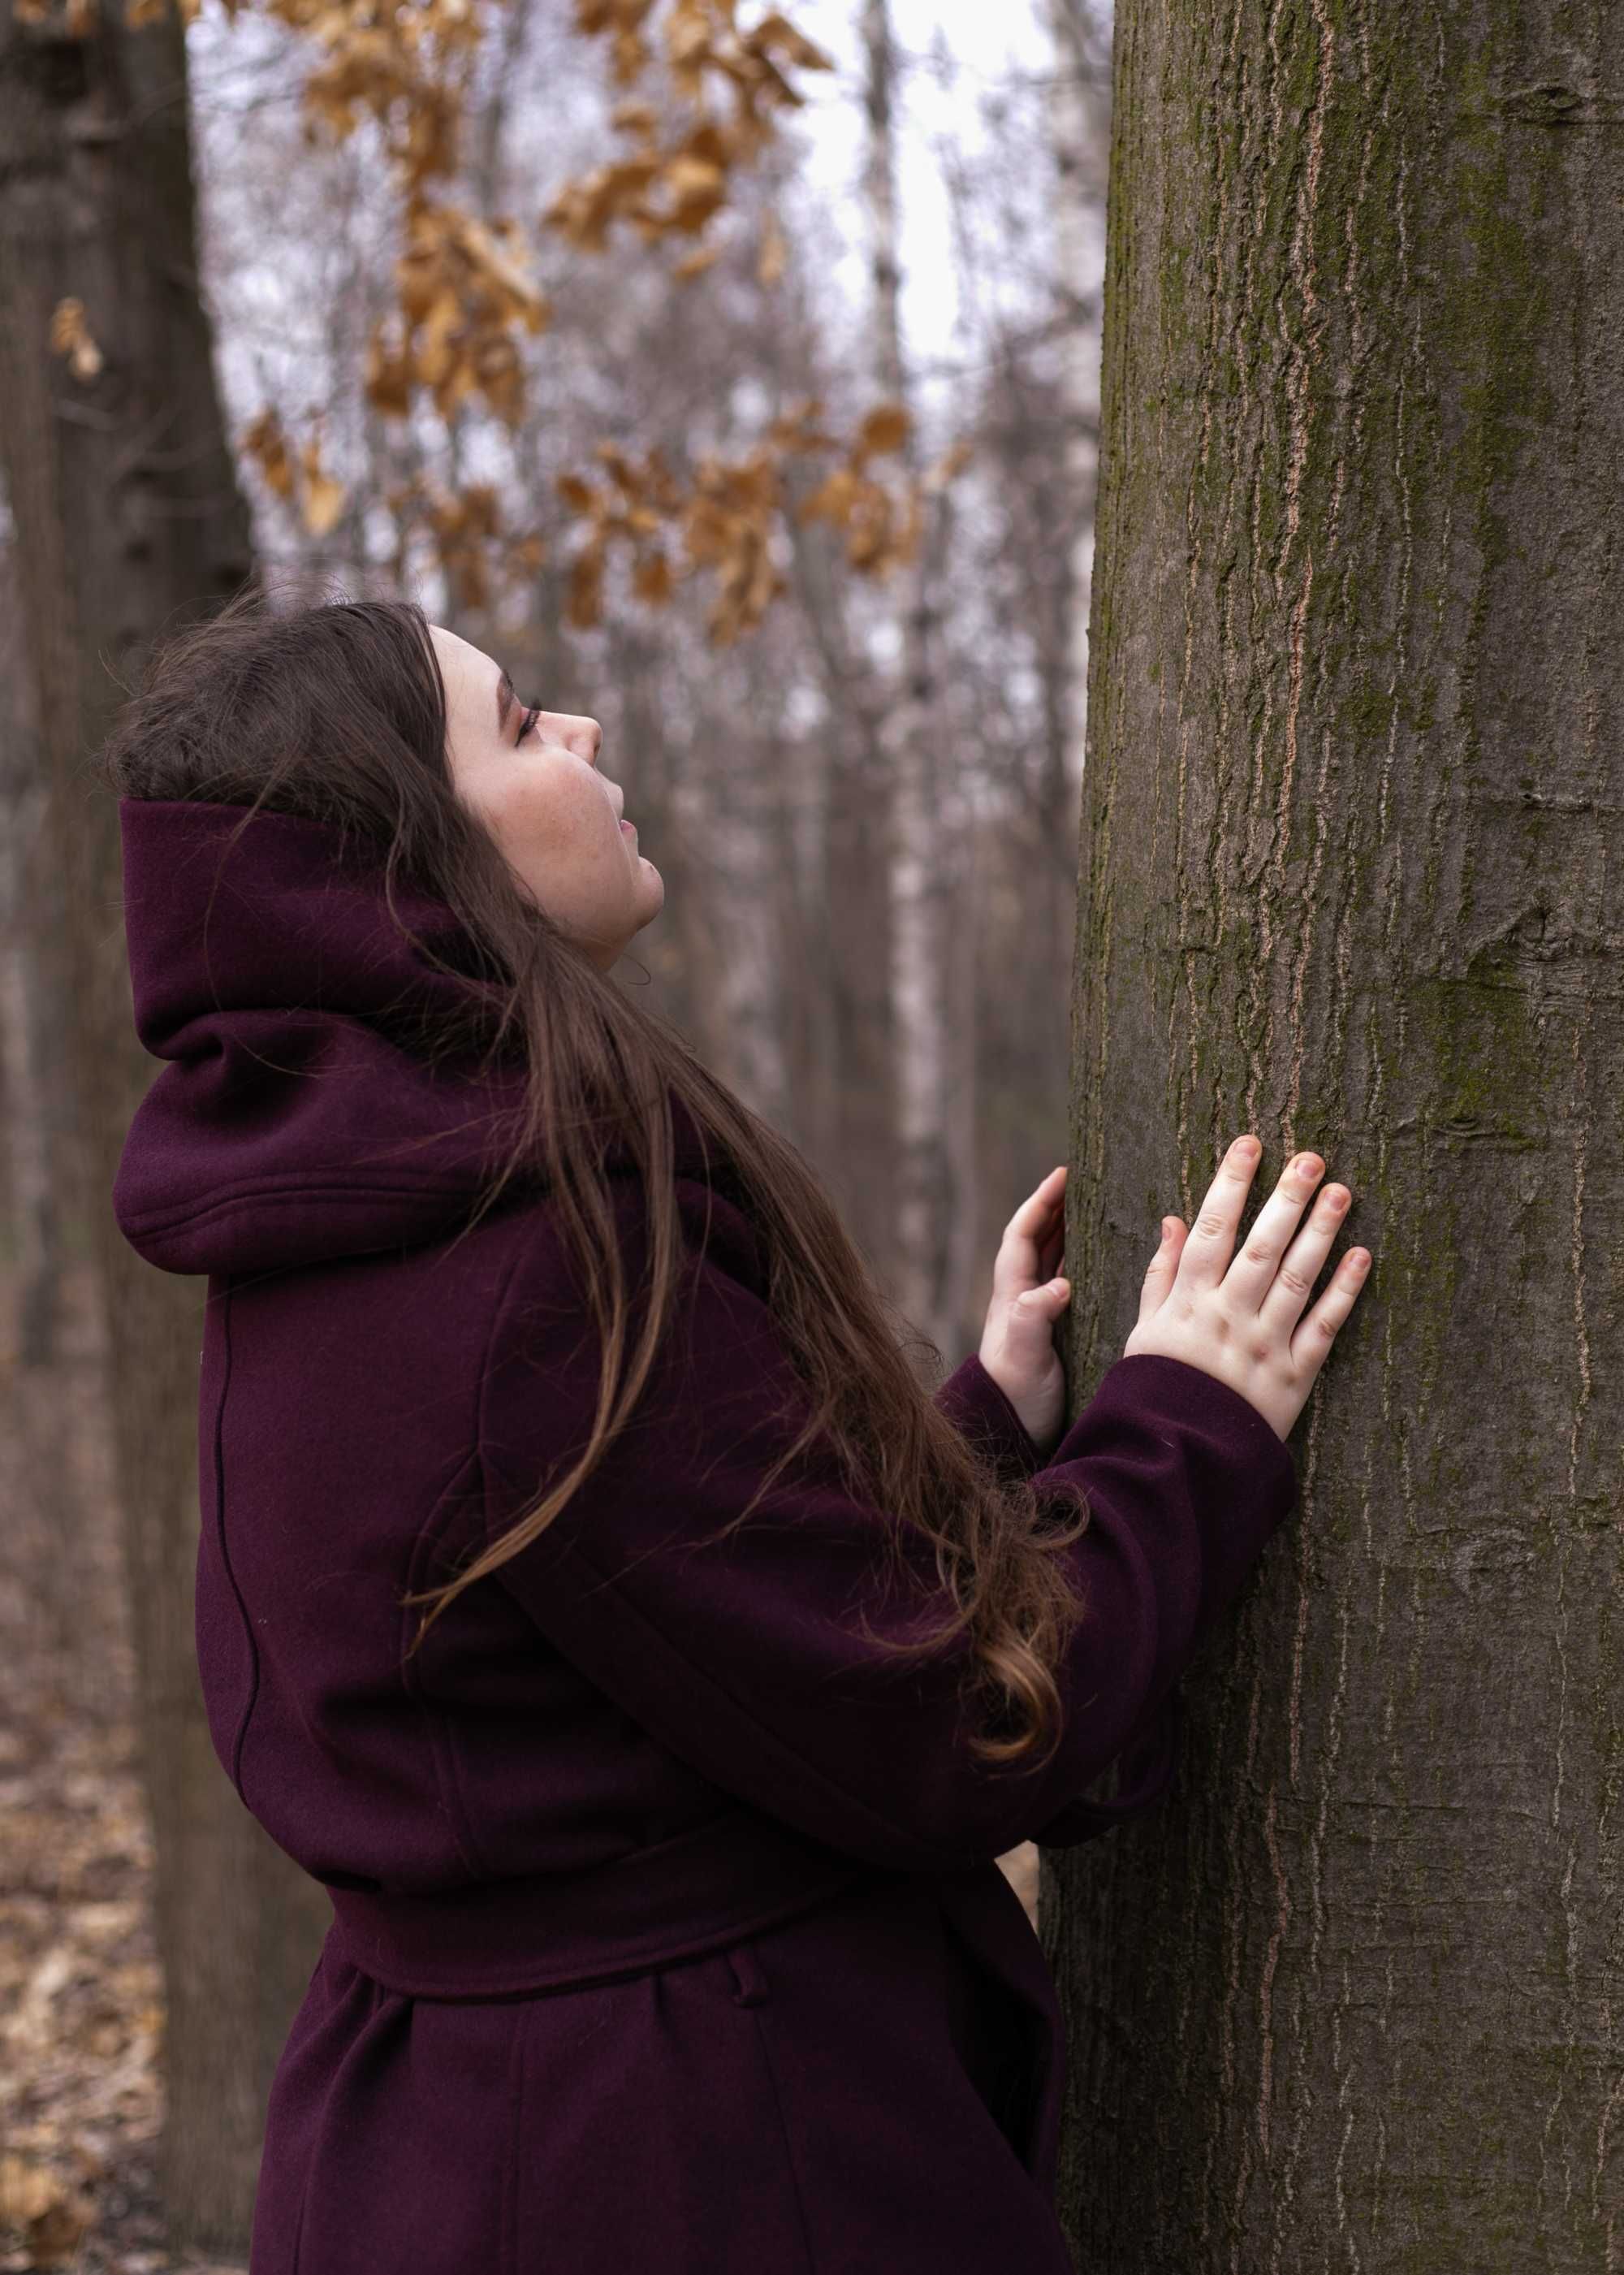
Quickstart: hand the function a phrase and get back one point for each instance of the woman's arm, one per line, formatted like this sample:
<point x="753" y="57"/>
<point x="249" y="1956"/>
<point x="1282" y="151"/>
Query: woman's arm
<point x="742" y="1655"/>
<point x="982" y="1412"/>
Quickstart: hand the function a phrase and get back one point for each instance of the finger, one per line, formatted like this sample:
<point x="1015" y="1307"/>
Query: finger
<point x="1039" y="1207"/>
<point x="1163" y="1266"/>
<point x="1041" y="1198"/>
<point x="1025" y="1323"/>
<point x="1311" y="1344"/>
<point x="1206" y="1253"/>
<point x="1032" y="1229"/>
<point x="1293" y="1283"/>
<point x="1251" y="1275"/>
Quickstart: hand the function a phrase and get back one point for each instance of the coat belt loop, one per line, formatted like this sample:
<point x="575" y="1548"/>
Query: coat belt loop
<point x="751" y="1988"/>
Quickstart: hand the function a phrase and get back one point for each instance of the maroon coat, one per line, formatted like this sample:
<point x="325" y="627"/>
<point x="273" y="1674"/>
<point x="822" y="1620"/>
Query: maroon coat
<point x="668" y="1937"/>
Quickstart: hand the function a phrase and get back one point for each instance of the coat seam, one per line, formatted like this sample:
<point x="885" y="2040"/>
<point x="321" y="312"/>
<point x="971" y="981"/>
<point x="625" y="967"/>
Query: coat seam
<point x="797" y="2196"/>
<point x="247" y="1713"/>
<point x="249" y="1194"/>
<point x="513" y="2207"/>
<point x="307" y="2176"/>
<point x="441" y="1730"/>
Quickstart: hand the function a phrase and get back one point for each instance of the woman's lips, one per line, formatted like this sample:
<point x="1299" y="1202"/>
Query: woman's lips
<point x="630" y="826"/>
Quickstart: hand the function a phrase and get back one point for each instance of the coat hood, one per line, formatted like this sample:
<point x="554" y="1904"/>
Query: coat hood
<point x="299" y="1117"/>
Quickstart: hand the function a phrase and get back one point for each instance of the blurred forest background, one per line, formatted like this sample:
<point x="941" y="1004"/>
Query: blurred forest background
<point x="791" y="487"/>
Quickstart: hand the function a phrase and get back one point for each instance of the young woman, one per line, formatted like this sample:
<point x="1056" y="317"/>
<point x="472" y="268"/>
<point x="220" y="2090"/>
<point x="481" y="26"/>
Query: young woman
<point x="587" y="1593"/>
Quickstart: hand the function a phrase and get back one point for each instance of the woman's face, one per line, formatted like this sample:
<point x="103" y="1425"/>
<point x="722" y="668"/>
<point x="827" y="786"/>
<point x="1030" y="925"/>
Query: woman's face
<point x="531" y="778"/>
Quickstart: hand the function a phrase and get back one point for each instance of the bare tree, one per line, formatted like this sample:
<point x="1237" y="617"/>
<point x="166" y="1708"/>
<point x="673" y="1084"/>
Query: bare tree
<point x="1079" y="120"/>
<point x="929" y="1200"/>
<point x="1352" y="1997"/>
<point x="44" y="1388"/>
<point x="127" y="517"/>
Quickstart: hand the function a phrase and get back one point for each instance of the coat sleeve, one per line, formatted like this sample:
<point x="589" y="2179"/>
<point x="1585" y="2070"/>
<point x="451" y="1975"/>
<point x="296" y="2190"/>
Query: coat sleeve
<point x="745" y="1655"/>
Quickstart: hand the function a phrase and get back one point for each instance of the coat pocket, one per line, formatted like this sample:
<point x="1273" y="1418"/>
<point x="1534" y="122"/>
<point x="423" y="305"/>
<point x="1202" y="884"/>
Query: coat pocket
<point x="999" y="2040"/>
<point x="1003" y="2016"/>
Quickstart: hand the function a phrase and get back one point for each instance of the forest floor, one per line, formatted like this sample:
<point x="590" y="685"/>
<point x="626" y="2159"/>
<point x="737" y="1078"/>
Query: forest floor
<point x="81" y="2011"/>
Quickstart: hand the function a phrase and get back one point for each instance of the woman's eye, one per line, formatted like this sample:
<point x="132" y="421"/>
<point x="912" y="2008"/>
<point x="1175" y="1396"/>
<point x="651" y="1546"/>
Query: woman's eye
<point x="529" y="726"/>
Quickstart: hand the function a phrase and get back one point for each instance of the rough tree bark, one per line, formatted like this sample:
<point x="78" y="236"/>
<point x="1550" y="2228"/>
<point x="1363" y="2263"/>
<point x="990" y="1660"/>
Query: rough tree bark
<point x="44" y="1378"/>
<point x="128" y="518"/>
<point x="1353" y="1999"/>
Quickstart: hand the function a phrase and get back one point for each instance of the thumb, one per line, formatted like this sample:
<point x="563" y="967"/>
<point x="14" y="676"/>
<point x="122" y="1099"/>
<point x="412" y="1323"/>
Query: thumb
<point x="1047" y="1299"/>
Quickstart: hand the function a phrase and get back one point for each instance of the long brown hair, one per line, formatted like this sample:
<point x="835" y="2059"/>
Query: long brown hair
<point x="337" y="711"/>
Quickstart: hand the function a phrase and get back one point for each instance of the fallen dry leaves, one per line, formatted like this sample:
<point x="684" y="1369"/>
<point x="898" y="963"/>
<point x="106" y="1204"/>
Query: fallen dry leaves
<point x="81" y="2015"/>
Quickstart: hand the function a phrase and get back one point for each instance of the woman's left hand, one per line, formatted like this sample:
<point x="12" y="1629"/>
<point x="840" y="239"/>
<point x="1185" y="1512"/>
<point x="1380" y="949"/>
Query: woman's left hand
<point x="1017" y="1344"/>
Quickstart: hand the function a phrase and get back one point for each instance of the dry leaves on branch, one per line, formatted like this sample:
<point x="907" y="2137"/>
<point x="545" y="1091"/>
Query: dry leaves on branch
<point x="726" y="520"/>
<point x="266" y="445"/>
<point x="675" y="191"/>
<point x="79" y="17"/>
<point x="631" y="507"/>
<point x="881" y="529"/>
<point x="466" y="297"/>
<point x="463" y="291"/>
<point x="301" y="482"/>
<point x="70" y="335"/>
<point x="773" y="254"/>
<point x="399" y="63"/>
<point x="322" y="500"/>
<point x="465" y="530"/>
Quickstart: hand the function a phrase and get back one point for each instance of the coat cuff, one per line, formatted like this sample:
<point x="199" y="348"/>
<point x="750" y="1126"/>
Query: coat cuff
<point x="979" y="1410"/>
<point x="1151" y="1379"/>
<point x="1239" y="1464"/>
<point x="1144" y="1772"/>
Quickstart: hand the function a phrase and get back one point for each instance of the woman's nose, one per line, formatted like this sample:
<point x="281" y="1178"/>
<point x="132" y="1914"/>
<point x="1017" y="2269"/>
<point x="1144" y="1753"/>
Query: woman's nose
<point x="577" y="733"/>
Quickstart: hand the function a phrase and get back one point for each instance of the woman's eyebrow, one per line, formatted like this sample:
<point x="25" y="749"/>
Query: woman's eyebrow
<point x="504" y="701"/>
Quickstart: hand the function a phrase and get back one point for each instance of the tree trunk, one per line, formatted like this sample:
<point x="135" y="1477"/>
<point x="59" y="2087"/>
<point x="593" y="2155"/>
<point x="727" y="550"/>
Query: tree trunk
<point x="1352" y="1998"/>
<point x="1079" y="121"/>
<point x="846" y="914"/>
<point x="929" y="1277"/>
<point x="43" y="1389"/>
<point x="128" y="519"/>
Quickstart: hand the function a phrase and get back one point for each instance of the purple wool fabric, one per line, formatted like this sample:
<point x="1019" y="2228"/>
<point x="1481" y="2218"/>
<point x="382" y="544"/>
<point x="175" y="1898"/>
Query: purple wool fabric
<point x="668" y="1934"/>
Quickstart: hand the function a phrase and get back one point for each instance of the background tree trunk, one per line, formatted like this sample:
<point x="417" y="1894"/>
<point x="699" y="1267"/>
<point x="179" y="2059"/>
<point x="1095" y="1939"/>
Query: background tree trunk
<point x="1353" y="1997"/>
<point x="1079" y="123"/>
<point x="931" y="1075"/>
<point x="41" y="1387"/>
<point x="128" y="518"/>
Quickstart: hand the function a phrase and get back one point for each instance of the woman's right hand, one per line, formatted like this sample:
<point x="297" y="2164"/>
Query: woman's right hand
<point x="1242" y="1320"/>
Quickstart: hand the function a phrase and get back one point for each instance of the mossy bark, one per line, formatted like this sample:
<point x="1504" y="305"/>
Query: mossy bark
<point x="1353" y="1997"/>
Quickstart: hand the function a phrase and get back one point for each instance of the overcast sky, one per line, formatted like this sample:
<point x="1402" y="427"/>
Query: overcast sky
<point x="980" y="46"/>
